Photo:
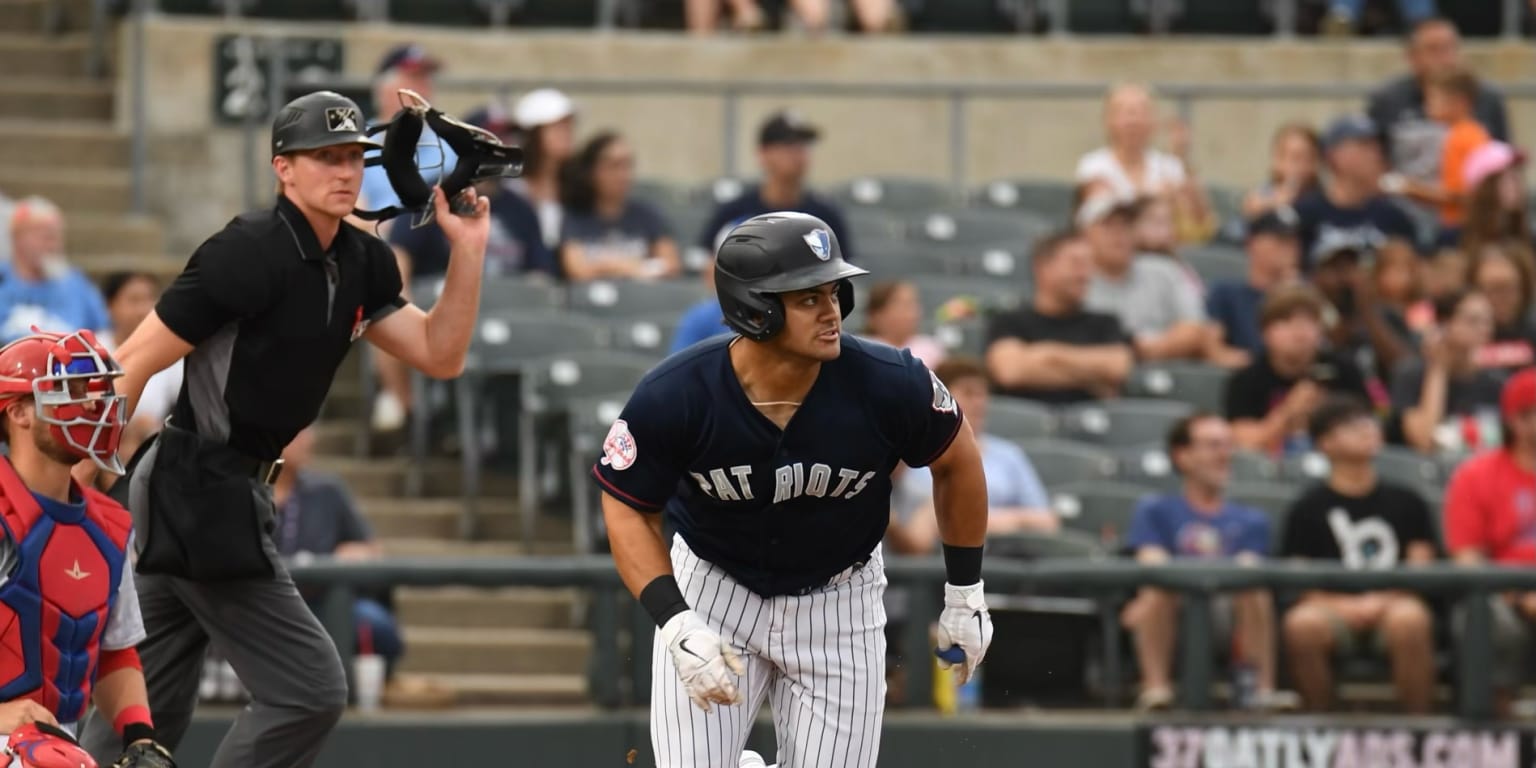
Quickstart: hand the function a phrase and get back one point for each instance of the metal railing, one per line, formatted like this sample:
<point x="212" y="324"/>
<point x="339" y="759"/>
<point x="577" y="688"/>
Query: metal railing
<point x="619" y="681"/>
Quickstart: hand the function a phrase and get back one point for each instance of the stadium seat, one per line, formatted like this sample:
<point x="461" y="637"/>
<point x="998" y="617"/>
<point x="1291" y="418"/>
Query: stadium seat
<point x="1019" y="419"/>
<point x="989" y="294"/>
<point x="629" y="298"/>
<point x="871" y="225"/>
<point x="892" y="193"/>
<point x="589" y="419"/>
<point x="1200" y="385"/>
<point x="511" y="293"/>
<point x="1409" y="467"/>
<point x="1047" y="199"/>
<point x="721" y="190"/>
<point x="1062" y="545"/>
<point x="1218" y="262"/>
<point x="1147" y="465"/>
<point x="649" y="335"/>
<point x="1123" y="422"/>
<point x="1250" y="467"/>
<point x="1273" y="499"/>
<point x="1063" y="462"/>
<point x="890" y="260"/>
<point x="662" y="193"/>
<point x="548" y="386"/>
<point x="965" y="337"/>
<point x="684" y="219"/>
<point x="998" y="260"/>
<point x="976" y="227"/>
<point x="1100" y="509"/>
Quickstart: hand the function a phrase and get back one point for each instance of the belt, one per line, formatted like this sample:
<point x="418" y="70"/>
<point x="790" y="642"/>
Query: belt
<point x="837" y="578"/>
<point x="265" y="471"/>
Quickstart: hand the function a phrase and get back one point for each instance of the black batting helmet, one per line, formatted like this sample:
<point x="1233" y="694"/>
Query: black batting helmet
<point x="772" y="254"/>
<point x="319" y="119"/>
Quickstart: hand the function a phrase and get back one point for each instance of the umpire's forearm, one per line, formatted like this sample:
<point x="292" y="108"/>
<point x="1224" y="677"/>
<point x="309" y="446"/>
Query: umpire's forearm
<point x="638" y="551"/>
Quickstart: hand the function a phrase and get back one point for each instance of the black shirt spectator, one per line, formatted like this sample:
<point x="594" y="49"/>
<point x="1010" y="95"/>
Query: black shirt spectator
<point x="607" y="232"/>
<point x="1081" y="329"/>
<point x="515" y="245"/>
<point x="244" y="286"/>
<point x="1371" y="531"/>
<point x="1327" y="227"/>
<point x="1253" y="391"/>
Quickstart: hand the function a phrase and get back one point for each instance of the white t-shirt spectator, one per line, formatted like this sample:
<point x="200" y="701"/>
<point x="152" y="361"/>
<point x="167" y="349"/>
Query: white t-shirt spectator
<point x="1161" y="173"/>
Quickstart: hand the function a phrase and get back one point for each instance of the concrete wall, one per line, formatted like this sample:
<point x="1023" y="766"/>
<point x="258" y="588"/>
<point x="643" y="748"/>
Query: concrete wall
<point x="680" y="137"/>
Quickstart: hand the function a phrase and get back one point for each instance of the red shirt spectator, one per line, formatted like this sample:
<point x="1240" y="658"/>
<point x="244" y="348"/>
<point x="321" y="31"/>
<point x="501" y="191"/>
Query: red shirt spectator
<point x="1490" y="506"/>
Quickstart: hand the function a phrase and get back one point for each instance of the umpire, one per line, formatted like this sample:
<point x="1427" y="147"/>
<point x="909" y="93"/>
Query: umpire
<point x="258" y="366"/>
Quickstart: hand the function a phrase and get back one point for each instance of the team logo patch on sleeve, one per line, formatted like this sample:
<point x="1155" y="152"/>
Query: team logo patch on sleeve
<point x="943" y="401"/>
<point x="619" y="447"/>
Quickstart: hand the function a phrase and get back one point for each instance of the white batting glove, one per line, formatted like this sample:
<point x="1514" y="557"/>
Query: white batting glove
<point x="965" y="629"/>
<point x="705" y="663"/>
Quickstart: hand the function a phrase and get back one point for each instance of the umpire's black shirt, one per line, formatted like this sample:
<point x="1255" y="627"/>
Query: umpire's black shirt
<point x="272" y="316"/>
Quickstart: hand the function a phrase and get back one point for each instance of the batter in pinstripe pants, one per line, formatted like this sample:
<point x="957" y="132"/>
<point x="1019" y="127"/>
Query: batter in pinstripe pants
<point x="769" y="451"/>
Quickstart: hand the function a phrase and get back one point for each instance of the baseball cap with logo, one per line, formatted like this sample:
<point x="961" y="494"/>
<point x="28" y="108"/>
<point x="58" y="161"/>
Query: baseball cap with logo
<point x="786" y="127"/>
<point x="1281" y="222"/>
<point x="408" y="57"/>
<point x="544" y="106"/>
<point x="1519" y="394"/>
<point x="1350" y="128"/>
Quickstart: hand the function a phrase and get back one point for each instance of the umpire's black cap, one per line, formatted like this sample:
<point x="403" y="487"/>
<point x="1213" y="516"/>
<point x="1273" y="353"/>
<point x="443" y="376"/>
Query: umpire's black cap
<point x="319" y="119"/>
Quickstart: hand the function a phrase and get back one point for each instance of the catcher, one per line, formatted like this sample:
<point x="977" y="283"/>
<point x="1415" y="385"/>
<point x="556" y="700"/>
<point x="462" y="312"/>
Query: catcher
<point x="68" y="608"/>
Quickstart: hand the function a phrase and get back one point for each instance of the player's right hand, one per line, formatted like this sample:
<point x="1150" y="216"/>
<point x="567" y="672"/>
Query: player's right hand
<point x="15" y="714"/>
<point x="705" y="663"/>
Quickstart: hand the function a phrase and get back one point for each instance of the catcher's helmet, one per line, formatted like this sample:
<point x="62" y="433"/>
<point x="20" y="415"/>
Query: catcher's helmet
<point x="772" y="254"/>
<point x="319" y="119"/>
<point x="40" y="745"/>
<point x="71" y="378"/>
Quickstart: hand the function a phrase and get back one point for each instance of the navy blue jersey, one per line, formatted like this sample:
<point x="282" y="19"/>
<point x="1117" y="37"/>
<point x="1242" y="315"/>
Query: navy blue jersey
<point x="780" y="511"/>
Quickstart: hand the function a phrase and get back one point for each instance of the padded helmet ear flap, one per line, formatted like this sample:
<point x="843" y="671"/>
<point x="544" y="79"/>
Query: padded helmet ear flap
<point x="399" y="160"/>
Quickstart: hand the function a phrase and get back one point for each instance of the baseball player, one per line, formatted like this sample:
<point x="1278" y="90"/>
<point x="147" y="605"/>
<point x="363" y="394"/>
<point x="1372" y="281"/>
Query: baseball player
<point x="770" y="453"/>
<point x="67" y="596"/>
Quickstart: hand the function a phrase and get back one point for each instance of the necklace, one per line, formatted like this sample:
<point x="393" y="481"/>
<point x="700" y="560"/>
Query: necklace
<point x="774" y="402"/>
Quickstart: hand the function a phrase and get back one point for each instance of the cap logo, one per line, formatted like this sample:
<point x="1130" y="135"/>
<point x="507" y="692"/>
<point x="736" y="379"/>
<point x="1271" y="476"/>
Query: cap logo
<point x="820" y="242"/>
<point x="341" y="119"/>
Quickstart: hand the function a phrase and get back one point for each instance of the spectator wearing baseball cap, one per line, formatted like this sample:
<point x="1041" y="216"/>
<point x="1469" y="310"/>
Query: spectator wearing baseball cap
<point x="784" y="153"/>
<point x="1488" y="507"/>
<point x="404" y="67"/>
<point x="1496" y="209"/>
<point x="1273" y="247"/>
<point x="546" y="120"/>
<point x="1350" y="208"/>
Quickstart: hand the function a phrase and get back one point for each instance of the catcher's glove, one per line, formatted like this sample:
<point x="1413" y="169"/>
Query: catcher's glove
<point x="145" y="754"/>
<point x="40" y="745"/>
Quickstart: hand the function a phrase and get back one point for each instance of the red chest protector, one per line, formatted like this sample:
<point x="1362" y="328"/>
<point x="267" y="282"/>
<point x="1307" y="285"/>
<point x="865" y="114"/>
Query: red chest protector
<point x="55" y="600"/>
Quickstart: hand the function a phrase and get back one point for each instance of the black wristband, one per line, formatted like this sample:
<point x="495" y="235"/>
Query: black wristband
<point x="962" y="565"/>
<point x="137" y="732"/>
<point x="662" y="599"/>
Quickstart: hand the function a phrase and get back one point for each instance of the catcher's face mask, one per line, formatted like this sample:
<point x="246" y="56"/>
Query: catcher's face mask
<point x="481" y="156"/>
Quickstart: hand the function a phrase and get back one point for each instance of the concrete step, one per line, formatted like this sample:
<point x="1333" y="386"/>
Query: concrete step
<point x="34" y="55"/>
<point x="485" y="608"/>
<point x="439" y="518"/>
<point x="457" y="650"/>
<point x="40" y="16"/>
<point x="441" y="478"/>
<point x="56" y="98"/>
<point x="92" y="144"/>
<point x="464" y="549"/>
<point x="515" y="690"/>
<point x="74" y="189"/>
<point x="95" y="234"/>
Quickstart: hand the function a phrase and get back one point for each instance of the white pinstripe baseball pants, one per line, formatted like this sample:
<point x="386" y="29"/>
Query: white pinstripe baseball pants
<point x="819" y="658"/>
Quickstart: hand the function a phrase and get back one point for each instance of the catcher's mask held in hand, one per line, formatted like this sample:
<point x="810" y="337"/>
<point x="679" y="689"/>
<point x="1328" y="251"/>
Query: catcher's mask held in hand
<point x="481" y="156"/>
<point x="40" y="745"/>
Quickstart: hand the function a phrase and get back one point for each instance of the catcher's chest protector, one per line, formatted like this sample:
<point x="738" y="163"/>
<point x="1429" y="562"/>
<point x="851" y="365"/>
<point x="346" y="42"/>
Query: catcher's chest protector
<point x="55" y="601"/>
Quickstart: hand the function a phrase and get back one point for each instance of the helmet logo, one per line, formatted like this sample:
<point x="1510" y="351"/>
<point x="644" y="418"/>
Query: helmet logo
<point x="341" y="119"/>
<point x="820" y="242"/>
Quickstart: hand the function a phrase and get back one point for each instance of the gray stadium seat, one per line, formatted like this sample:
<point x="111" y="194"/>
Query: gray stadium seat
<point x="661" y="193"/>
<point x="1062" y="545"/>
<point x="1273" y="499"/>
<point x="997" y="260"/>
<point x="589" y="419"/>
<point x="1019" y="419"/>
<point x="892" y="193"/>
<point x="965" y="337"/>
<point x="1147" y="465"/>
<point x="513" y="293"/>
<point x="1250" y="467"/>
<point x="1103" y="510"/>
<point x="648" y="334"/>
<point x="629" y="298"/>
<point x="871" y="225"/>
<point x="1218" y="262"/>
<point x="897" y="260"/>
<point x="1200" y="385"/>
<point x="989" y="293"/>
<point x="1123" y="422"/>
<point x="1063" y="462"/>
<point x="1048" y="199"/>
<point x="976" y="227"/>
<point x="1394" y="464"/>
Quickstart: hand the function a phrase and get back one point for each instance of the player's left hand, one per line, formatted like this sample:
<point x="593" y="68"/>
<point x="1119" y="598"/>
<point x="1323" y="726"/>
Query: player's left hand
<point x="471" y="229"/>
<point x="145" y="754"/>
<point x="965" y="630"/>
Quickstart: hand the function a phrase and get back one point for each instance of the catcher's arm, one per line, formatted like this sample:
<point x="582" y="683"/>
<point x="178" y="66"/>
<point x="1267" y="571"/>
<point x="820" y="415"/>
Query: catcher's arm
<point x="121" y="695"/>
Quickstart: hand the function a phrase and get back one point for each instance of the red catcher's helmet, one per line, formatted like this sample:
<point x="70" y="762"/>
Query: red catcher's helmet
<point x="38" y="745"/>
<point x="70" y="377"/>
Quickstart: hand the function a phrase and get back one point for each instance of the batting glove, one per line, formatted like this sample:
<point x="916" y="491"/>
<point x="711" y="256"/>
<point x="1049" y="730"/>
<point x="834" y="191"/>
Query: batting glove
<point x="145" y="754"/>
<point x="705" y="662"/>
<point x="965" y="630"/>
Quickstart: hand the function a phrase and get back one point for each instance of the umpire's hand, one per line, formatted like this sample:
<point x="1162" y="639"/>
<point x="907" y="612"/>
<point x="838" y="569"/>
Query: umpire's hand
<point x="965" y="630"/>
<point x="705" y="663"/>
<point x="470" y="229"/>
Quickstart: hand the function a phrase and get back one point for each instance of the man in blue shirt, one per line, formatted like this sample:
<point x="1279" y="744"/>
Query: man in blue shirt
<point x="784" y="153"/>
<point x="1274" y="256"/>
<point x="39" y="287"/>
<point x="404" y="66"/>
<point x="1198" y="522"/>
